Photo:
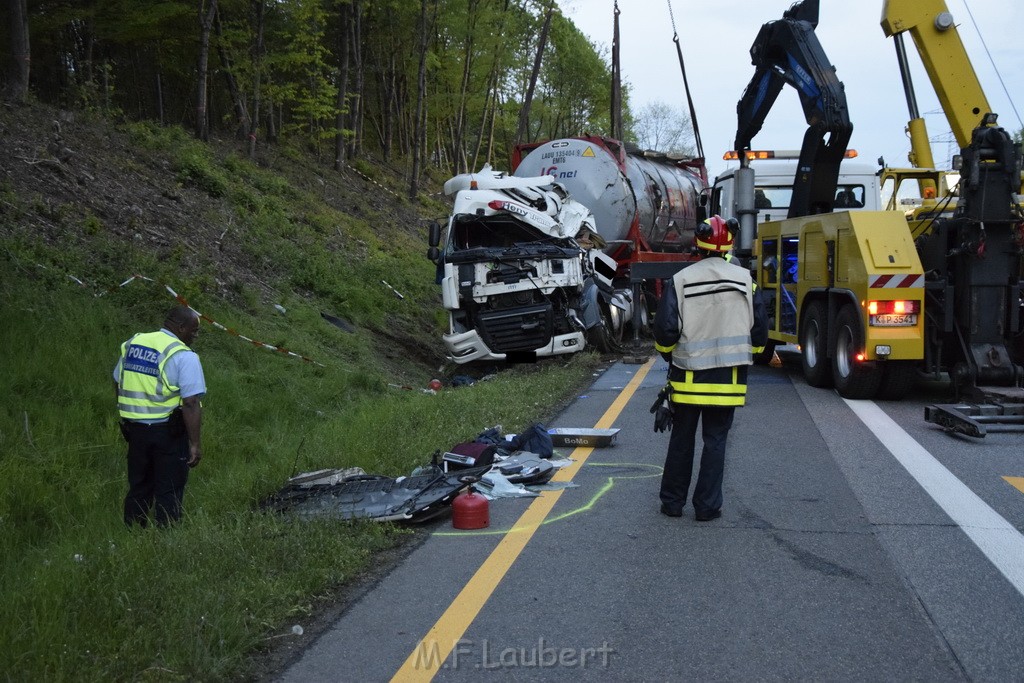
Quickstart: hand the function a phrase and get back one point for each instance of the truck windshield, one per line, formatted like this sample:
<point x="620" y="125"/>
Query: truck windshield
<point x="778" y="196"/>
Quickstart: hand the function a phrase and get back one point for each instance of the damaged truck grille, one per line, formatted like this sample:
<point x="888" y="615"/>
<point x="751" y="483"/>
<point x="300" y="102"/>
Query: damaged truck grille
<point x="521" y="329"/>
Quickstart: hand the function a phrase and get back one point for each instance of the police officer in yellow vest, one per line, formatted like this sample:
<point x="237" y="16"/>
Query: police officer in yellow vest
<point x="159" y="383"/>
<point x="707" y="325"/>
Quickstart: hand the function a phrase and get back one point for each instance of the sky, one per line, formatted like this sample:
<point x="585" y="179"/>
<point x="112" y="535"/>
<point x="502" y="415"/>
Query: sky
<point x="716" y="35"/>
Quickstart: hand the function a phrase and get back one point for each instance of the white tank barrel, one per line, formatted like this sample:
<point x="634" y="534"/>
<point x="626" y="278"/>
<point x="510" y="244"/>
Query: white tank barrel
<point x="623" y="190"/>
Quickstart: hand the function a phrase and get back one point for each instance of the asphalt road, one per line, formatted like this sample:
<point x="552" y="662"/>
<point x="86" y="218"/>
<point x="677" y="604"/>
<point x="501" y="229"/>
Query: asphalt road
<point x="857" y="543"/>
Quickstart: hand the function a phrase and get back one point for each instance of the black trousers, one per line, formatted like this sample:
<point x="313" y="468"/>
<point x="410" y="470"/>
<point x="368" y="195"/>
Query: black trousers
<point x="157" y="473"/>
<point x="715" y="423"/>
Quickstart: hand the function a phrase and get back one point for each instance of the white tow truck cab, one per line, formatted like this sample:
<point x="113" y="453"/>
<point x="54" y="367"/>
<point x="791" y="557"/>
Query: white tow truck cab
<point x="774" y="171"/>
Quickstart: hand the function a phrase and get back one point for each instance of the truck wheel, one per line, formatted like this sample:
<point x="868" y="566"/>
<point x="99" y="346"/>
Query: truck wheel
<point x="853" y="379"/>
<point x="765" y="357"/>
<point x="645" y="315"/>
<point x="601" y="335"/>
<point x="813" y="345"/>
<point x="898" y="378"/>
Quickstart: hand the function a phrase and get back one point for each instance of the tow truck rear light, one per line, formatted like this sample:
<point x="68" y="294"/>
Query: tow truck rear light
<point x="898" y="313"/>
<point x="898" y="307"/>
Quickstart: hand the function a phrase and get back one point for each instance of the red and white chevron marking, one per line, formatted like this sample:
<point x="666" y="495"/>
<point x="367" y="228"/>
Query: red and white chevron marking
<point x="895" y="281"/>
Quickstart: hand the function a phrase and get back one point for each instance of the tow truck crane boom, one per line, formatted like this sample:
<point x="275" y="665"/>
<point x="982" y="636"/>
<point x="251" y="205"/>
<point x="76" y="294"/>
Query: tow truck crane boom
<point x="787" y="51"/>
<point x="956" y="84"/>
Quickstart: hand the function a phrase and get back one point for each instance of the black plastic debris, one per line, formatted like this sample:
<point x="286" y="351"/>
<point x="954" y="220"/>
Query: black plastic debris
<point x="340" y="323"/>
<point x="414" y="498"/>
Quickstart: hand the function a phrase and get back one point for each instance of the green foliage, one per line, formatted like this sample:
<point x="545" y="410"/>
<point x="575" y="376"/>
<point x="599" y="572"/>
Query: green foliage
<point x="195" y="165"/>
<point x="307" y="82"/>
<point x="96" y="601"/>
<point x="154" y="137"/>
<point x="143" y="57"/>
<point x="92" y="225"/>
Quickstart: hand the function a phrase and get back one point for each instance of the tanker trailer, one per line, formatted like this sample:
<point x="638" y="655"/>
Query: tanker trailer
<point x="559" y="255"/>
<point x="646" y="206"/>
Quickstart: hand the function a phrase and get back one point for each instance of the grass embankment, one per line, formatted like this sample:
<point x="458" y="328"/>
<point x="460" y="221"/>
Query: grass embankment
<point x="84" y="598"/>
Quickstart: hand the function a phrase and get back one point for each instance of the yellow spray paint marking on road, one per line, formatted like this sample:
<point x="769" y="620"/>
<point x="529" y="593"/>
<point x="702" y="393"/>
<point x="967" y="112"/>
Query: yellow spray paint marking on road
<point x="1016" y="482"/>
<point x="655" y="471"/>
<point x="430" y="653"/>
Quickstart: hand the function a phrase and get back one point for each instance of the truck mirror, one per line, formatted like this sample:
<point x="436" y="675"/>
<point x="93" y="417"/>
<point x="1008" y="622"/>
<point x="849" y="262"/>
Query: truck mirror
<point x="434" y="236"/>
<point x="433" y="253"/>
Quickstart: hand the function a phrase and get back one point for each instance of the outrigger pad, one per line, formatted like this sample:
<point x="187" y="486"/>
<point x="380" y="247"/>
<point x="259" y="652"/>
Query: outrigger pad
<point x="415" y="498"/>
<point x="977" y="419"/>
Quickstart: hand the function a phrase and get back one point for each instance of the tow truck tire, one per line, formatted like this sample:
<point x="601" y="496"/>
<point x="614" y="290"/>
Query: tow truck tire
<point x="853" y="379"/>
<point x="814" y="345"/>
<point x="898" y="378"/>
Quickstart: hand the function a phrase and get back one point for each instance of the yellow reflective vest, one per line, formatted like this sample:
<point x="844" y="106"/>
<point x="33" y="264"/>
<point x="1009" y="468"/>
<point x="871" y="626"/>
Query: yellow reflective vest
<point x="144" y="393"/>
<point x="704" y="324"/>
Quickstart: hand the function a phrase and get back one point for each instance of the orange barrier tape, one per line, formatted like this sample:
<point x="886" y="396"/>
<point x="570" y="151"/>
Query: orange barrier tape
<point x="180" y="299"/>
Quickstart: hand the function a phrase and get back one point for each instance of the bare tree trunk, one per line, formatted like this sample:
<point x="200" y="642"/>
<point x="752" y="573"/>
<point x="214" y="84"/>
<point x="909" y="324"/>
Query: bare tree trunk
<point x="524" y="113"/>
<point x="20" y="55"/>
<point x="490" y="136"/>
<point x="339" y="118"/>
<point x="206" y="14"/>
<point x="421" y="94"/>
<point x="491" y="98"/>
<point x="358" y="110"/>
<point x="387" y="83"/>
<point x="159" y="96"/>
<point x="257" y="73"/>
<point x="241" y="113"/>
<point x="458" y="143"/>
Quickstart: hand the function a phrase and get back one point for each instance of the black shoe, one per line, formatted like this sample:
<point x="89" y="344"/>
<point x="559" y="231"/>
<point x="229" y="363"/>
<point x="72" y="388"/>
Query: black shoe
<point x="671" y="511"/>
<point x="708" y="516"/>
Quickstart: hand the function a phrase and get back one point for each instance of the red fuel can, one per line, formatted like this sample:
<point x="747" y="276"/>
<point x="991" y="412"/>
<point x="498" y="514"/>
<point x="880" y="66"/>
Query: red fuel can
<point x="470" y="510"/>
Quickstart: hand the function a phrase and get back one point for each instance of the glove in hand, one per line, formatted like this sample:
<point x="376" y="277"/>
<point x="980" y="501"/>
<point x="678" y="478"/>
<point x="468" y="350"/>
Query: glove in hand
<point x="663" y="419"/>
<point x="662" y="411"/>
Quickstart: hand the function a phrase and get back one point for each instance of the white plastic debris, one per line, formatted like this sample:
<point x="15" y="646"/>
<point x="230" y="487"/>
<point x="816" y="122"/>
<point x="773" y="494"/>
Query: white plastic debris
<point x="495" y="485"/>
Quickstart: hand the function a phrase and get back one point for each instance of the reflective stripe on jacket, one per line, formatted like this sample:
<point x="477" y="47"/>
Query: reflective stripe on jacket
<point x="705" y="326"/>
<point x="143" y="392"/>
<point x="713" y="387"/>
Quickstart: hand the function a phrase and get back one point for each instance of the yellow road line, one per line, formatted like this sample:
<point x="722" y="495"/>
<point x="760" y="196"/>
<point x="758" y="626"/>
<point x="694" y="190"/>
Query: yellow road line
<point x="430" y="653"/>
<point x="1016" y="482"/>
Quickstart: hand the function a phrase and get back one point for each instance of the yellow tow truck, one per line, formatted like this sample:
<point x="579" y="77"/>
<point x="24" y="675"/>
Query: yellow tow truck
<point x="875" y="298"/>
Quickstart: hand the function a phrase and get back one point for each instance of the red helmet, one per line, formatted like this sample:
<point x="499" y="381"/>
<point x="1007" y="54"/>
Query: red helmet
<point x="714" y="235"/>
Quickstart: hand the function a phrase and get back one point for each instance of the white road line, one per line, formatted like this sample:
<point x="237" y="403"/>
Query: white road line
<point x="999" y="540"/>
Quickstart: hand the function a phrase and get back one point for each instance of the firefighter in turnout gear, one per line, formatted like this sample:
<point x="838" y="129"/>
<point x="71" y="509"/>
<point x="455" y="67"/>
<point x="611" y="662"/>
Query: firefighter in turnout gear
<point x="709" y="324"/>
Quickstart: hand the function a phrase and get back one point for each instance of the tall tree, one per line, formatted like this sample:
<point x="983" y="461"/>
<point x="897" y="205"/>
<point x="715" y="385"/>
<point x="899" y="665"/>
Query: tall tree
<point x="19" y="60"/>
<point x="257" y="14"/>
<point x="421" y="95"/>
<point x="207" y="11"/>
<point x="524" y="113"/>
<point x="661" y="127"/>
<point x="341" y="104"/>
<point x="227" y="64"/>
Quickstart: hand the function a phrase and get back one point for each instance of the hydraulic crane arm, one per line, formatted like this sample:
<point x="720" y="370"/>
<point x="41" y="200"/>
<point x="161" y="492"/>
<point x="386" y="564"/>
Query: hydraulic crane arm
<point x="787" y="51"/>
<point x="956" y="84"/>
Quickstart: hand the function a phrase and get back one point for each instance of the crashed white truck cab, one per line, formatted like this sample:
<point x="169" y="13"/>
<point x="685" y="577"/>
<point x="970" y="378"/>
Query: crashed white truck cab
<point x="517" y="274"/>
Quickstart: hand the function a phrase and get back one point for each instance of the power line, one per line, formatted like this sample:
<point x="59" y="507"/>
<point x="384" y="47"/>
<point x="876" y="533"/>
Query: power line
<point x="991" y="61"/>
